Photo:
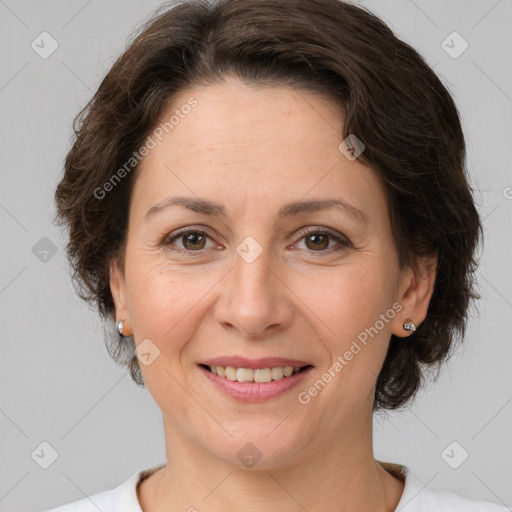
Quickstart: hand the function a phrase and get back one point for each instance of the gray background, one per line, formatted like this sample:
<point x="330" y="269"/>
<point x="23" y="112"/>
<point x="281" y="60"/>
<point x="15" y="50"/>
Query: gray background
<point x="58" y="383"/>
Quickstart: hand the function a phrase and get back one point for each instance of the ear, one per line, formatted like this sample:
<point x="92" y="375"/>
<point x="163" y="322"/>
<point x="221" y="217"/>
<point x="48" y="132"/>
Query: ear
<point x="118" y="290"/>
<point x="417" y="286"/>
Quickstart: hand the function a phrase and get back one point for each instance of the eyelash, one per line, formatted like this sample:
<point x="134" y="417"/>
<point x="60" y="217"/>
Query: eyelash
<point x="343" y="242"/>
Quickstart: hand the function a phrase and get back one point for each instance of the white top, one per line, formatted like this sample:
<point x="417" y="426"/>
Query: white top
<point x="416" y="497"/>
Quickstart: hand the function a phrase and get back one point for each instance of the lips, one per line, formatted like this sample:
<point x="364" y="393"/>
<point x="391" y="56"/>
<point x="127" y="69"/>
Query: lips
<point x="264" y="362"/>
<point x="254" y="391"/>
<point x="254" y="380"/>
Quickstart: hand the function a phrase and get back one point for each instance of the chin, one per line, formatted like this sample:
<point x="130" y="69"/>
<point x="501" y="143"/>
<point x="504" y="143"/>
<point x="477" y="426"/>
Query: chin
<point x="268" y="446"/>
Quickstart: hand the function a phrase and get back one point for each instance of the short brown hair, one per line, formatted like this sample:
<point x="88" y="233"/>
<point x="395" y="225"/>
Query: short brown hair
<point x="393" y="101"/>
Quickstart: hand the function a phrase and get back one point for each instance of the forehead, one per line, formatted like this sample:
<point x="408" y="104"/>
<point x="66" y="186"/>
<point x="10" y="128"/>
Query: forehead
<point x="232" y="114"/>
<point x="241" y="144"/>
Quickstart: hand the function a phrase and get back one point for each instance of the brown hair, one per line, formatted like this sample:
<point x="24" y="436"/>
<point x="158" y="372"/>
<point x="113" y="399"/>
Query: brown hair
<point x="394" y="103"/>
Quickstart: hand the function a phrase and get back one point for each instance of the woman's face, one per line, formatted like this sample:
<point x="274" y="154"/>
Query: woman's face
<point x="307" y="284"/>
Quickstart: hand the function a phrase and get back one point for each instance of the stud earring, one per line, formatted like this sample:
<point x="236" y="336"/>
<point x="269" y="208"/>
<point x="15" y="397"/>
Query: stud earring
<point x="120" y="327"/>
<point x="410" y="326"/>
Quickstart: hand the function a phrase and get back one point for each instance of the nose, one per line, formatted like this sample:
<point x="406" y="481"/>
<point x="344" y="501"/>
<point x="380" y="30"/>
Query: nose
<point x="254" y="299"/>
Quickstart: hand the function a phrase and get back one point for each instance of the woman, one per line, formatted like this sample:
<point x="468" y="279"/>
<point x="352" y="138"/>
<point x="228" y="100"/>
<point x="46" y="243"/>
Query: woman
<point x="269" y="199"/>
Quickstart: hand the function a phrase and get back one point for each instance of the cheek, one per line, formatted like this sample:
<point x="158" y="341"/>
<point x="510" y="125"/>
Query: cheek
<point x="166" y="304"/>
<point x="355" y="302"/>
<point x="354" y="308"/>
<point x="349" y="299"/>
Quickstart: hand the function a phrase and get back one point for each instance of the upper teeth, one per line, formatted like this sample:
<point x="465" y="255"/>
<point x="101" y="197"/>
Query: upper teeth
<point x="257" y="375"/>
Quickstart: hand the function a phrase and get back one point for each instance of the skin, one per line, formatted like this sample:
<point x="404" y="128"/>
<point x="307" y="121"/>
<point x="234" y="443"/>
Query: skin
<point x="254" y="149"/>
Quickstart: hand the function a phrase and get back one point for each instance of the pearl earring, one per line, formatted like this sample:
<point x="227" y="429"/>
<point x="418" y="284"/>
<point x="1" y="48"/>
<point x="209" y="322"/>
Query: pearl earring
<point x="120" y="327"/>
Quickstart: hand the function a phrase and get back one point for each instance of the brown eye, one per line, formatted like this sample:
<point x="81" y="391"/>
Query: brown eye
<point x="193" y="241"/>
<point x="317" y="241"/>
<point x="187" y="241"/>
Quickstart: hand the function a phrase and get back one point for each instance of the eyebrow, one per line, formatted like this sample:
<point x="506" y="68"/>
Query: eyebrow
<point x="206" y="207"/>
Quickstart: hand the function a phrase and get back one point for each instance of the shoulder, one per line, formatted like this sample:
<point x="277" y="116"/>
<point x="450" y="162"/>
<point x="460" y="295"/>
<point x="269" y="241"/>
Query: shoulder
<point x="121" y="498"/>
<point x="420" y="497"/>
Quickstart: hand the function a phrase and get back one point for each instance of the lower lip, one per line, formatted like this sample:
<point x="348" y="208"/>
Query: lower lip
<point x="255" y="391"/>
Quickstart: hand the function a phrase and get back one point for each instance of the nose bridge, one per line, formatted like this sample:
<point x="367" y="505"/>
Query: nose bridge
<point x="252" y="272"/>
<point x="253" y="298"/>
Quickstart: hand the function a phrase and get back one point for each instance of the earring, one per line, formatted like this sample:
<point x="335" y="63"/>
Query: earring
<point x="410" y="326"/>
<point x="120" y="327"/>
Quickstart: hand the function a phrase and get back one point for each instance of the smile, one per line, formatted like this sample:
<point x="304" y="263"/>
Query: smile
<point x="254" y="384"/>
<point x="257" y="375"/>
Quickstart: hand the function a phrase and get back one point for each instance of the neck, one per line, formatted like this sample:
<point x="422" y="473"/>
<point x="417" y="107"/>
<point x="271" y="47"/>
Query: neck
<point x="340" y="476"/>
